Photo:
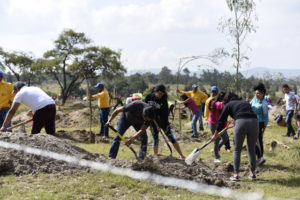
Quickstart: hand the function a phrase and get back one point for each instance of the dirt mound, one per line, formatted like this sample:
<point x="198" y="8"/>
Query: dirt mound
<point x="18" y="163"/>
<point x="201" y="171"/>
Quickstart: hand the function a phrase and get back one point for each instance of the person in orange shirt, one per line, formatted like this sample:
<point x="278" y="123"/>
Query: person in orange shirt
<point x="103" y="106"/>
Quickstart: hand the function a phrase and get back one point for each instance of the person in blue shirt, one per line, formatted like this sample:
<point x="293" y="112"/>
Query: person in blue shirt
<point x="260" y="107"/>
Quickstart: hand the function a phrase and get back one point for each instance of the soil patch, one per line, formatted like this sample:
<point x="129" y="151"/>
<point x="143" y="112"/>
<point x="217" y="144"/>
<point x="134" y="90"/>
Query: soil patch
<point x="18" y="163"/>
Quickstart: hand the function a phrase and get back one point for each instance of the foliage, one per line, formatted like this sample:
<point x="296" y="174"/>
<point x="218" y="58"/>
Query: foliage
<point x="237" y="27"/>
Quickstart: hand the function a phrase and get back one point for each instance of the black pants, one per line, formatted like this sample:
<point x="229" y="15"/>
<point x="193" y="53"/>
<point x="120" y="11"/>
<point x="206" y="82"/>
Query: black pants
<point x="44" y="117"/>
<point x="259" y="144"/>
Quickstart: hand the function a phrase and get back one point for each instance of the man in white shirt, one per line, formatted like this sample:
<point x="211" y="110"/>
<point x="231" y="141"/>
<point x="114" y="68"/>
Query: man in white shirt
<point x="291" y="104"/>
<point x="42" y="105"/>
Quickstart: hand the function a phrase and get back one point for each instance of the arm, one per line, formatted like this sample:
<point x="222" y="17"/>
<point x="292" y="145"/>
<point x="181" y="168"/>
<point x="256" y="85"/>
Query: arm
<point x="295" y="104"/>
<point x="9" y="116"/>
<point x="137" y="135"/>
<point x="114" y="114"/>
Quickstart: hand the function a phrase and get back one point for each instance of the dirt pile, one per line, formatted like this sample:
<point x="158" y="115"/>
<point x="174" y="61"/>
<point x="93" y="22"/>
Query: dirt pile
<point x="201" y="171"/>
<point x="18" y="163"/>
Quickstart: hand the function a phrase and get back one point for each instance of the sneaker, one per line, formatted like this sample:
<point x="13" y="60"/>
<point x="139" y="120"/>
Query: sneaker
<point x="296" y="138"/>
<point x="194" y="136"/>
<point x="182" y="157"/>
<point x="234" y="178"/>
<point x="260" y="161"/>
<point x="285" y="135"/>
<point x="217" y="160"/>
<point x="252" y="177"/>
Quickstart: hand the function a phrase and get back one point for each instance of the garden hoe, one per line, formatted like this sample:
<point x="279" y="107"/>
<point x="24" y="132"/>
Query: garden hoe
<point x="193" y="156"/>
<point x="163" y="135"/>
<point x="20" y="124"/>
<point x="123" y="139"/>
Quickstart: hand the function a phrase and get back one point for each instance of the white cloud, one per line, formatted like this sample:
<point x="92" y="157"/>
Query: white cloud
<point x="165" y="15"/>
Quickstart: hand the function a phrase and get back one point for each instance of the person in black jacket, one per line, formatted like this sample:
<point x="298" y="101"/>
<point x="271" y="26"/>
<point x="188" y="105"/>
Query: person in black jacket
<point x="160" y="96"/>
<point x="246" y="125"/>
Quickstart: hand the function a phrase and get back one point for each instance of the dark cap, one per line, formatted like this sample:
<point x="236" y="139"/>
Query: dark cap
<point x="18" y="85"/>
<point x="99" y="85"/>
<point x="1" y="74"/>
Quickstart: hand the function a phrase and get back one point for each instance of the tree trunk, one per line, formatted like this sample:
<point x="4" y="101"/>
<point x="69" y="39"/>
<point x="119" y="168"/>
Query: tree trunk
<point x="91" y="134"/>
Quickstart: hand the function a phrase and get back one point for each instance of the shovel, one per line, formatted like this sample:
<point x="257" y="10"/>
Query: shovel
<point x="165" y="139"/>
<point x="193" y="156"/>
<point x="20" y="124"/>
<point x="123" y="139"/>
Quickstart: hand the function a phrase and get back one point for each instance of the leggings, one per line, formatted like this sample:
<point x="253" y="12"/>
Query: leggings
<point x="245" y="128"/>
<point x="259" y="144"/>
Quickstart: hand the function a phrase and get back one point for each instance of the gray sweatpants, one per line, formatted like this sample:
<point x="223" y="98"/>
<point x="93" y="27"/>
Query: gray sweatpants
<point x="243" y="128"/>
<point x="219" y="141"/>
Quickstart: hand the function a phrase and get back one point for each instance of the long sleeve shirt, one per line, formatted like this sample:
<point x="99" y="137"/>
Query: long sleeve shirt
<point x="199" y="97"/>
<point x="261" y="109"/>
<point x="103" y="99"/>
<point x="237" y="109"/>
<point x="6" y="94"/>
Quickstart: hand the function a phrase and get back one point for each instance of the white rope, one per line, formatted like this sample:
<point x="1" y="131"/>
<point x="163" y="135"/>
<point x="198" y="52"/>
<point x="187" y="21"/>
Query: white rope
<point x="138" y="175"/>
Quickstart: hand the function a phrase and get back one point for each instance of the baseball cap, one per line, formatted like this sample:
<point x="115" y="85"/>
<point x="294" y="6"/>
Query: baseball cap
<point x="214" y="88"/>
<point x="99" y="85"/>
<point x="1" y="74"/>
<point x="194" y="86"/>
<point x="18" y="85"/>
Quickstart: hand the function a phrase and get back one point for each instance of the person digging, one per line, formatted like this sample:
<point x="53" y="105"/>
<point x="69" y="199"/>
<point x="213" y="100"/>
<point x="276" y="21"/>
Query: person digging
<point x="137" y="114"/>
<point x="42" y="105"/>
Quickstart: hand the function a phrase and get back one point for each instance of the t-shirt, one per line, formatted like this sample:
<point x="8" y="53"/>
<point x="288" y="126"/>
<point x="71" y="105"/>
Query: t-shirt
<point x="192" y="105"/>
<point x="103" y="99"/>
<point x="214" y="115"/>
<point x="162" y="114"/>
<point x="33" y="97"/>
<point x="289" y="100"/>
<point x="261" y="109"/>
<point x="132" y="112"/>
<point x="298" y="123"/>
<point x="237" y="109"/>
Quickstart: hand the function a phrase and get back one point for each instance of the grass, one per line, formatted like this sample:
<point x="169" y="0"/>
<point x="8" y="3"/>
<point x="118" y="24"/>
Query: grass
<point x="279" y="177"/>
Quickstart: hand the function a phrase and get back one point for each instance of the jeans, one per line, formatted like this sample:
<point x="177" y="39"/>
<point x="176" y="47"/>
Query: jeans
<point x="194" y="122"/>
<point x="219" y="141"/>
<point x="104" y="112"/>
<point x="290" y="129"/>
<point x="245" y="128"/>
<point x="201" y="128"/>
<point x="122" y="126"/>
<point x="3" y="113"/>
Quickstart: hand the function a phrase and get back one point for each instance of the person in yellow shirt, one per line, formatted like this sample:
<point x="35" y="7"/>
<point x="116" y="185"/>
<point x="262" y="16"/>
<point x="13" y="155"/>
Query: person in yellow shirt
<point x="103" y="106"/>
<point x="6" y="98"/>
<point x="199" y="98"/>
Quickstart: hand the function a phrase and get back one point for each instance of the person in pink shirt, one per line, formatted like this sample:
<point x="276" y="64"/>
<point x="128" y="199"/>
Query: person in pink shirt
<point x="190" y="103"/>
<point x="215" y="107"/>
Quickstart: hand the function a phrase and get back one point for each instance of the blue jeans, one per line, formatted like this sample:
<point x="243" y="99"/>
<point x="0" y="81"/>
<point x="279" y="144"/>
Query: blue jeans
<point x="3" y="113"/>
<point x="194" y="122"/>
<point x="222" y="140"/>
<point x="289" y="116"/>
<point x="201" y="128"/>
<point x="122" y="126"/>
<point x="104" y="112"/>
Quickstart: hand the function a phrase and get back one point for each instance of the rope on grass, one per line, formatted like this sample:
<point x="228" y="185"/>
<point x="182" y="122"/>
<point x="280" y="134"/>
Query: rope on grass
<point x="139" y="175"/>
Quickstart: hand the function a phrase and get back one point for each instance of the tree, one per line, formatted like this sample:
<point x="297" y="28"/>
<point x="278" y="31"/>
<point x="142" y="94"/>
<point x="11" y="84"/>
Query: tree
<point x="74" y="60"/>
<point x="19" y="63"/>
<point x="165" y="75"/>
<point x="237" y="28"/>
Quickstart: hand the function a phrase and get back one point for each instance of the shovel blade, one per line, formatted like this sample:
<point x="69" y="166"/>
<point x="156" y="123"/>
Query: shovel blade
<point x="192" y="157"/>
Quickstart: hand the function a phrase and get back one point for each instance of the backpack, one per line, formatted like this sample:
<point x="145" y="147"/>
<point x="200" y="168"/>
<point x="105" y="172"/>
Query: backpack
<point x="280" y="120"/>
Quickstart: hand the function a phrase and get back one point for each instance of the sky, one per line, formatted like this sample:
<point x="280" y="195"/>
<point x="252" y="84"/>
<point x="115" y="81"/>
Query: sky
<point x="153" y="33"/>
